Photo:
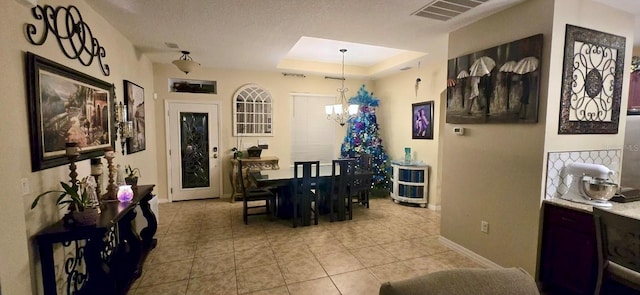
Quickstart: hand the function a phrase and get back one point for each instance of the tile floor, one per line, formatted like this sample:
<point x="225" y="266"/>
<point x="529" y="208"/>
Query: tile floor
<point x="205" y="248"/>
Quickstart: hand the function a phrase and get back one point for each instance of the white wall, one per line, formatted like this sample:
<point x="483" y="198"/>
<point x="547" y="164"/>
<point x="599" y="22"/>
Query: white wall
<point x="19" y="262"/>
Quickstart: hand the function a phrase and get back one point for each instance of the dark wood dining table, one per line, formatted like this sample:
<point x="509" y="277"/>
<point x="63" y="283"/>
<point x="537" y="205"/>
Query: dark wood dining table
<point x="281" y="181"/>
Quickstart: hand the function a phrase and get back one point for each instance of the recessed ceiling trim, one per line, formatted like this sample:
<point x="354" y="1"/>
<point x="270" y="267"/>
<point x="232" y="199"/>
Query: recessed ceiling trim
<point x="446" y="9"/>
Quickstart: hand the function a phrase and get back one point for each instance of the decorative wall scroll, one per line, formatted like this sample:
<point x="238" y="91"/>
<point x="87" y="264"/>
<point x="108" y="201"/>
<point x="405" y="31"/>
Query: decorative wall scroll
<point x="66" y="106"/>
<point x="73" y="35"/>
<point x="591" y="82"/>
<point x="496" y="85"/>
<point x="134" y="100"/>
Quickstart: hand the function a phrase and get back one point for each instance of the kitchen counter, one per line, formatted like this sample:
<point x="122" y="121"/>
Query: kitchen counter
<point x="631" y="209"/>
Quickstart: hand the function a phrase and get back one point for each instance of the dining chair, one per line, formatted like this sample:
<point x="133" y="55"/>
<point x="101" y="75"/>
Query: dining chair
<point x="363" y="179"/>
<point x="305" y="191"/>
<point x="255" y="194"/>
<point x="342" y="183"/>
<point x="618" y="244"/>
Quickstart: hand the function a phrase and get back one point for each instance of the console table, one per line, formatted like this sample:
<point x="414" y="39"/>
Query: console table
<point x="106" y="257"/>
<point x="263" y="163"/>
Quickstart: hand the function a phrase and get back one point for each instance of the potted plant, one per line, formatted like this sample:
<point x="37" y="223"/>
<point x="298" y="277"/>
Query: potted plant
<point x="76" y="198"/>
<point x="236" y="153"/>
<point x="132" y="175"/>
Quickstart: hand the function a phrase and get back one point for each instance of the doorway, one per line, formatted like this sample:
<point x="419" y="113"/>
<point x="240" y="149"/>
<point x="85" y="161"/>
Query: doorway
<point x="193" y="162"/>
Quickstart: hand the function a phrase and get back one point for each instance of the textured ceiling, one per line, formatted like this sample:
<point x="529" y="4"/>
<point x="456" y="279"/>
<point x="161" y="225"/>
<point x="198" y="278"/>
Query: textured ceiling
<point x="259" y="34"/>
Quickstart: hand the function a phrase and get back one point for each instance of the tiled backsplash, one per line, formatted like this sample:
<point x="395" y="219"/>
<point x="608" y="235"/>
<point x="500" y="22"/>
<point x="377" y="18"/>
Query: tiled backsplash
<point x="557" y="160"/>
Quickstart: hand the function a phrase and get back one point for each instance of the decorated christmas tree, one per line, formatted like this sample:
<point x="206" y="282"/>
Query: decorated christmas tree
<point x="363" y="138"/>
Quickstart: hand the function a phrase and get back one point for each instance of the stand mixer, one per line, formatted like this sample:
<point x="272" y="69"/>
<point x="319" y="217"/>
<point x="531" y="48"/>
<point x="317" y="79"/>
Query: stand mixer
<point x="590" y="184"/>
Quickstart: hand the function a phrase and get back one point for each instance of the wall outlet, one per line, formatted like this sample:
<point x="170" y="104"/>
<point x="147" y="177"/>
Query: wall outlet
<point x="484" y="226"/>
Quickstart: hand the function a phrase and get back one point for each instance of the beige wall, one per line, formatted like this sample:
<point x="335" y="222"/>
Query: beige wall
<point x="493" y="172"/>
<point x="397" y="93"/>
<point x="228" y="81"/>
<point x="19" y="261"/>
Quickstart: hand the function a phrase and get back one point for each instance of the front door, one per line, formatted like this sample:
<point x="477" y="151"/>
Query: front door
<point x="194" y="168"/>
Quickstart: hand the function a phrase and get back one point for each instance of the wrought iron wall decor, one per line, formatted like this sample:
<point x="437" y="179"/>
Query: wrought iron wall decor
<point x="73" y="34"/>
<point x="500" y="84"/>
<point x="591" y="82"/>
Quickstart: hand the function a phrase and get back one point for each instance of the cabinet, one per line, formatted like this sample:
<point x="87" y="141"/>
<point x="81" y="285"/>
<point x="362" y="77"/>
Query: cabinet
<point x="104" y="258"/>
<point x="263" y="163"/>
<point x="568" y="260"/>
<point x="410" y="183"/>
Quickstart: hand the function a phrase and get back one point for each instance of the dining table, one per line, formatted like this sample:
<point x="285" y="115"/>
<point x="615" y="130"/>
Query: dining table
<point x="281" y="182"/>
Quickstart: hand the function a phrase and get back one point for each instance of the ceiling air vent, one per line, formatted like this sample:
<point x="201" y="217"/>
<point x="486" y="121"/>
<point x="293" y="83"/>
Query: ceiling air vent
<point x="447" y="9"/>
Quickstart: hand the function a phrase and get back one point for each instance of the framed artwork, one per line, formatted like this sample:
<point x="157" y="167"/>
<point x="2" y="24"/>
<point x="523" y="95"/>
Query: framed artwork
<point x="66" y="106"/>
<point x="422" y="120"/>
<point x="496" y="85"/>
<point x="134" y="101"/>
<point x="591" y="82"/>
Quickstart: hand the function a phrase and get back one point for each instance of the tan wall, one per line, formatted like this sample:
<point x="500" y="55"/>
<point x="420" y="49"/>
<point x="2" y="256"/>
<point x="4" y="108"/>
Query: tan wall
<point x="19" y="263"/>
<point x="597" y="17"/>
<point x="228" y="81"/>
<point x="493" y="172"/>
<point x="397" y="93"/>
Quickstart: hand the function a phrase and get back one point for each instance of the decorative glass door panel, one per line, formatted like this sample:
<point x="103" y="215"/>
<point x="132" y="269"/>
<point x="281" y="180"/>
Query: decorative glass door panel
<point x="194" y="128"/>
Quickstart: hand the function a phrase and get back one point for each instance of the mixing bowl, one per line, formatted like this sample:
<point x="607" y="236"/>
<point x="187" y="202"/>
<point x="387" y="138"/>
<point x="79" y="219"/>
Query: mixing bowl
<point x="599" y="189"/>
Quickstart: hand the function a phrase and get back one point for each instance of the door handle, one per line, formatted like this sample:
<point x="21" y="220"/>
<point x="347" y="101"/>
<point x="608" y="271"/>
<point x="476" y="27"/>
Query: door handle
<point x="215" y="156"/>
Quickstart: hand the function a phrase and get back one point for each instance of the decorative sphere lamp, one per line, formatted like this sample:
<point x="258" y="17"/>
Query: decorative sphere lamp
<point x="125" y="193"/>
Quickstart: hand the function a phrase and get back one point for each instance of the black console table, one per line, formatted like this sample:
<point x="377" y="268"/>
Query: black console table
<point x="108" y="255"/>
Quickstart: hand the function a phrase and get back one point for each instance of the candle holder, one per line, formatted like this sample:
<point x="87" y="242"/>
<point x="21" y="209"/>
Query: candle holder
<point x="71" y="149"/>
<point x="109" y="154"/>
<point x="96" y="171"/>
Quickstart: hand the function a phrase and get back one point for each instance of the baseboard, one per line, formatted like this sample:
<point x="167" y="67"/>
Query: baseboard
<point x="434" y="207"/>
<point x="466" y="252"/>
<point x="161" y="201"/>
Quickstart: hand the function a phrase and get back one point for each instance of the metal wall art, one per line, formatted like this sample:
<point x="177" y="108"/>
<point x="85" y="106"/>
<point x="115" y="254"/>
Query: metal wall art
<point x="496" y="85"/>
<point x="66" y="106"/>
<point x="73" y="35"/>
<point x="591" y="82"/>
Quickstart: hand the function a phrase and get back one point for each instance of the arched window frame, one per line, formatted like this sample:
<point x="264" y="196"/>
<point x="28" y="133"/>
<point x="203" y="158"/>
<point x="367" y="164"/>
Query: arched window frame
<point x="252" y="111"/>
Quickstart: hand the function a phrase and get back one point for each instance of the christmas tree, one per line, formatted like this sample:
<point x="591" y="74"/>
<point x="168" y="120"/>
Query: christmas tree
<point x="362" y="137"/>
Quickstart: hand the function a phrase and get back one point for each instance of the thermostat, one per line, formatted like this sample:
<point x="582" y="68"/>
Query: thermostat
<point x="458" y="130"/>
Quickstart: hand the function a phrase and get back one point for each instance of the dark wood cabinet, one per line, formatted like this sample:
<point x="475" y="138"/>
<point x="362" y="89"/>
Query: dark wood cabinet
<point x="568" y="260"/>
<point x="104" y="258"/>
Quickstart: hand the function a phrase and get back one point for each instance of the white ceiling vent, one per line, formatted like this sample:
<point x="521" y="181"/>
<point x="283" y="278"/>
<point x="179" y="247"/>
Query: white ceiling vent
<point x="447" y="9"/>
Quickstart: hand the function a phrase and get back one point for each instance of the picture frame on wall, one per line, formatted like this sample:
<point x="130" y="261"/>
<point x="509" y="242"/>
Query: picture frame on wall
<point x="66" y="106"/>
<point x="592" y="72"/>
<point x="422" y="120"/>
<point x="134" y="100"/>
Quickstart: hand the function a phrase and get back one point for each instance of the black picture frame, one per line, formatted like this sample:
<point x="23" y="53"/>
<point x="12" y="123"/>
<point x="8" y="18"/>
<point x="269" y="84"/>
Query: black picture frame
<point x="66" y="105"/>
<point x="592" y="72"/>
<point x="496" y="85"/>
<point x="134" y="100"/>
<point x="422" y="120"/>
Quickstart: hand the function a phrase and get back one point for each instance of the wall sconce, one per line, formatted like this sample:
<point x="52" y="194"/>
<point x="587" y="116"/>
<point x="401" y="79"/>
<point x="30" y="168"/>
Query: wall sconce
<point x="123" y="127"/>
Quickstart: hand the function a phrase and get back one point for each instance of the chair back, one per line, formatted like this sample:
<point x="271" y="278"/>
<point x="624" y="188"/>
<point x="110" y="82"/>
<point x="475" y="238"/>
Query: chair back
<point x="342" y="176"/>
<point x="364" y="162"/>
<point x="618" y="241"/>
<point x="305" y="176"/>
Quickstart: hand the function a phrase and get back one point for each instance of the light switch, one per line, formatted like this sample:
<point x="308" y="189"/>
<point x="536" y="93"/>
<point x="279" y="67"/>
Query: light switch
<point x="26" y="188"/>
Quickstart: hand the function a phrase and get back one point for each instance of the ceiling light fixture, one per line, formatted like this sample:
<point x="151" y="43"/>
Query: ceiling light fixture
<point x="343" y="111"/>
<point x="186" y="63"/>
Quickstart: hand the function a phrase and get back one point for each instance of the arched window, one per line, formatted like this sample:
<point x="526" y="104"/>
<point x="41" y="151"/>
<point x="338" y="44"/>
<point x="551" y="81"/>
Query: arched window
<point x="252" y="111"/>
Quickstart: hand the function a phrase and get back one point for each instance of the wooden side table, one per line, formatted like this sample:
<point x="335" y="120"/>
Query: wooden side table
<point x="263" y="163"/>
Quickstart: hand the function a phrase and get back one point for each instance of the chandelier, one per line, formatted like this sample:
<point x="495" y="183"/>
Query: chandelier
<point x="343" y="111"/>
<point x="185" y="63"/>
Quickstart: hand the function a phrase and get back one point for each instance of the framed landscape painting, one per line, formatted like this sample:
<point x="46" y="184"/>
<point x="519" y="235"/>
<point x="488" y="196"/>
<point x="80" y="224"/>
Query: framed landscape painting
<point x="66" y="106"/>
<point x="422" y="120"/>
<point x="134" y="100"/>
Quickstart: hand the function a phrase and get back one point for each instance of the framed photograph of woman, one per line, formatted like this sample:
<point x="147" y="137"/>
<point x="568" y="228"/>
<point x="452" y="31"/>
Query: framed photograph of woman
<point x="422" y="120"/>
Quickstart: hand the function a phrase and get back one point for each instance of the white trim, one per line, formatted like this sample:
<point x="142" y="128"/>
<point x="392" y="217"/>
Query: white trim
<point x="472" y="255"/>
